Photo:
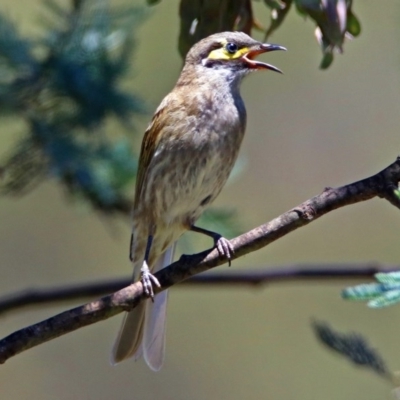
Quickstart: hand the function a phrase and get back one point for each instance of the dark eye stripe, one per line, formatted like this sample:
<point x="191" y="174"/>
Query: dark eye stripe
<point x="231" y="48"/>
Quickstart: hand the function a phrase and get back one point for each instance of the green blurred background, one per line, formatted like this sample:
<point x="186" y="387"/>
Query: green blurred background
<point x="306" y="130"/>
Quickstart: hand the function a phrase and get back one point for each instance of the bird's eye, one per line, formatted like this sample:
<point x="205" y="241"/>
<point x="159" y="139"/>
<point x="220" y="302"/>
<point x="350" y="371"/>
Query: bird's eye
<point x="231" y="48"/>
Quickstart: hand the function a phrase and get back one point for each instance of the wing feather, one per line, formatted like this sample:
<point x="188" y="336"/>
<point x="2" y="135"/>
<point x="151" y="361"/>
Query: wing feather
<point x="151" y="140"/>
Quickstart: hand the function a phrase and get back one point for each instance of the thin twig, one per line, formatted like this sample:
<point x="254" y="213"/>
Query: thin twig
<point x="260" y="277"/>
<point x="382" y="185"/>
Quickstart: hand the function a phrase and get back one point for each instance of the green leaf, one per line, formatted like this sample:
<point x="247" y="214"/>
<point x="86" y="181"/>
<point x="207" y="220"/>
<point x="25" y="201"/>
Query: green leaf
<point x="388" y="277"/>
<point x="353" y="24"/>
<point x="382" y="294"/>
<point x="396" y="192"/>
<point x="326" y="61"/>
<point x="365" y="291"/>
<point x="386" y="299"/>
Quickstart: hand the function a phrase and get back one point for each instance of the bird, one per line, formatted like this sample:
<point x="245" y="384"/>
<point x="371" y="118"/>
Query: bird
<point x="187" y="154"/>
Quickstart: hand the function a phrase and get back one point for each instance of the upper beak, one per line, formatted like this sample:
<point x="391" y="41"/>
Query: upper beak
<point x="259" y="49"/>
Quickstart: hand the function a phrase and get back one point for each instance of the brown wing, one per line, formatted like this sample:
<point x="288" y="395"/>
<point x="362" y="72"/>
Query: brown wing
<point x="149" y="145"/>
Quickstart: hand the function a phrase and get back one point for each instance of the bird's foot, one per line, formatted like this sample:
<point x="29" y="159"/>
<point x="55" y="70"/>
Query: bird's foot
<point x="148" y="279"/>
<point x="224" y="247"/>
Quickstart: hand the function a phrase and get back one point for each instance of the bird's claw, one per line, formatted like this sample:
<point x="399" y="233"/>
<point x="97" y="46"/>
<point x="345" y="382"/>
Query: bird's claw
<point x="148" y="279"/>
<point x="225" y="248"/>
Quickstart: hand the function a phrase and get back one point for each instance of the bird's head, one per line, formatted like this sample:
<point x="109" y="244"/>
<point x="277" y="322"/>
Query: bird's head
<point x="231" y="51"/>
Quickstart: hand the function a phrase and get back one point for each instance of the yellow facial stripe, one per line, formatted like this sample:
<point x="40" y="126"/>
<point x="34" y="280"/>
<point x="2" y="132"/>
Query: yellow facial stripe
<point x="223" y="54"/>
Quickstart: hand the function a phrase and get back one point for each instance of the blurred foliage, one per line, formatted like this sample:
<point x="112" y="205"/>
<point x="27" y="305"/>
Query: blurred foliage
<point x="334" y="19"/>
<point x="201" y="18"/>
<point x="383" y="293"/>
<point x="352" y="347"/>
<point x="65" y="86"/>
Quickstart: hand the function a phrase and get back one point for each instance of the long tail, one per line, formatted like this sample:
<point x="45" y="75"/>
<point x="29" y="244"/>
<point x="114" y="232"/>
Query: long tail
<point x="143" y="328"/>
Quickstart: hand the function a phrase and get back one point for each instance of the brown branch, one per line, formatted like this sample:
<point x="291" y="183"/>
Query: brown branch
<point x="265" y="276"/>
<point x="383" y="184"/>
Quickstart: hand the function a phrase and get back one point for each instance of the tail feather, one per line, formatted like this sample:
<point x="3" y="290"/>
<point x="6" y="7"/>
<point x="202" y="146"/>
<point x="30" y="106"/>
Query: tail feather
<point x="130" y="335"/>
<point x="153" y="346"/>
<point x="155" y="320"/>
<point x="143" y="328"/>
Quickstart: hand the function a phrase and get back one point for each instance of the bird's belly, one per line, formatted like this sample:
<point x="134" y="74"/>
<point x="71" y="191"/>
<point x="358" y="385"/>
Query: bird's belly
<point x="188" y="173"/>
<point x="197" y="185"/>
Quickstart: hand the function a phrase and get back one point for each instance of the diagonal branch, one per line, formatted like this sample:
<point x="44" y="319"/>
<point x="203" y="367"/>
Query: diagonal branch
<point x="384" y="185"/>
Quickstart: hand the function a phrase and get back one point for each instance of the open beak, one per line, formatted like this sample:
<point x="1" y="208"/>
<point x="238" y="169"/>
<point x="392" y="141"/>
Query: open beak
<point x="259" y="49"/>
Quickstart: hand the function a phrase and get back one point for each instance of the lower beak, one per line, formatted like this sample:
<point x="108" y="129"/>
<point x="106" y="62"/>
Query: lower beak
<point x="259" y="49"/>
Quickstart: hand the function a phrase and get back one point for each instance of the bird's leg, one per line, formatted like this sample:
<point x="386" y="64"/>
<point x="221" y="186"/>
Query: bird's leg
<point x="130" y="249"/>
<point x="223" y="245"/>
<point x="146" y="277"/>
